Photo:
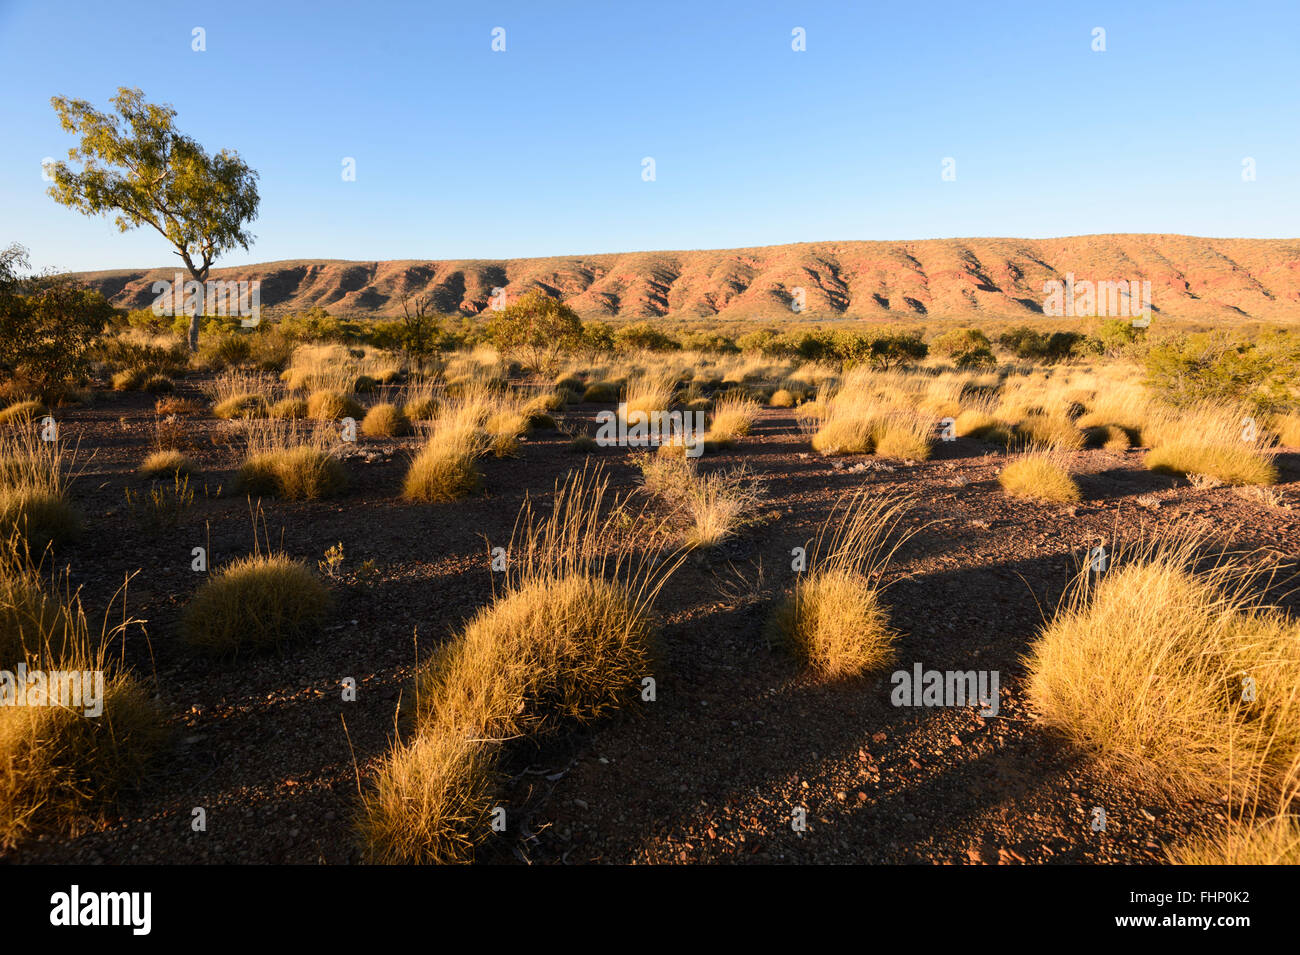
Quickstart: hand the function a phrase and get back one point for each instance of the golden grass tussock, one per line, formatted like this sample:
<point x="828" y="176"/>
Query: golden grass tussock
<point x="1046" y="429"/>
<point x="648" y="392"/>
<point x="290" y="461"/>
<point x="289" y="409"/>
<point x="167" y="463"/>
<point x="77" y="743"/>
<point x="1170" y="673"/>
<point x="23" y="412"/>
<point x="258" y="602"/>
<point x="35" y="477"/>
<point x="568" y="641"/>
<point x="1215" y="441"/>
<point x="834" y="621"/>
<point x="329" y="405"/>
<point x="1040" y="474"/>
<point x="904" y="436"/>
<point x="710" y="507"/>
<point x="1271" y="841"/>
<point x="385" y="421"/>
<point x="733" y="415"/>
<point x="1287" y="427"/>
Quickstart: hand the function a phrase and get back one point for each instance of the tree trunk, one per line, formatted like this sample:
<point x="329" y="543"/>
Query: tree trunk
<point x="200" y="276"/>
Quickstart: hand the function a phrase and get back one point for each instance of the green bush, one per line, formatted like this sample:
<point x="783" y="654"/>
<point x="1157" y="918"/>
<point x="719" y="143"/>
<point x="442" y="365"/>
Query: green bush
<point x="1210" y="366"/>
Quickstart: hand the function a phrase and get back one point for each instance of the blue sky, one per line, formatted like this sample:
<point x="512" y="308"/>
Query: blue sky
<point x="462" y="152"/>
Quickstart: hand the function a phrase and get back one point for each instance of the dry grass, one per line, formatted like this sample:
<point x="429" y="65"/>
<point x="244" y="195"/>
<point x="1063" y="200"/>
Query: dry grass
<point x="445" y="469"/>
<point x="1211" y="440"/>
<point x="569" y="641"/>
<point x="904" y="436"/>
<point x="1147" y="669"/>
<point x="385" y="421"/>
<point x="1237" y="464"/>
<point x="1274" y="841"/>
<point x="834" y="621"/>
<point x="23" y="412"/>
<point x="258" y="602"/>
<point x="291" y="462"/>
<point x="712" y="507"/>
<point x="327" y="405"/>
<point x="59" y="766"/>
<point x="167" y="463"/>
<point x="1040" y="475"/>
<point x="1045" y="429"/>
<point x="1287" y="427"/>
<point x="35" y="476"/>
<point x="241" y="394"/>
<point x="647" y="393"/>
<point x="289" y="409"/>
<point x="733" y="415"/>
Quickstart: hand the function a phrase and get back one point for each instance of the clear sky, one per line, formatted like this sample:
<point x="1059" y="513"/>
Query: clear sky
<point x="462" y="152"/>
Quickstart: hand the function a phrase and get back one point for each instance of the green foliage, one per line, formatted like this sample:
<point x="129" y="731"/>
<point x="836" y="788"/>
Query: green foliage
<point x="536" y="329"/>
<point x="597" y="338"/>
<point x="967" y="347"/>
<point x="318" y="325"/>
<point x="1118" y="335"/>
<point x="644" y="336"/>
<point x="48" y="326"/>
<point x="1209" y="366"/>
<point x="1029" y="344"/>
<point x="712" y="342"/>
<point x="137" y="165"/>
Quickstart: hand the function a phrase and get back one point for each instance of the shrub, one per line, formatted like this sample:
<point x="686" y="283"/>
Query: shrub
<point x="1143" y="669"/>
<point x="158" y="384"/>
<point x="259" y="602"/>
<point x="537" y="329"/>
<point x="583" y="444"/>
<point x="1211" y="367"/>
<point x="782" y="398"/>
<point x="48" y="325"/>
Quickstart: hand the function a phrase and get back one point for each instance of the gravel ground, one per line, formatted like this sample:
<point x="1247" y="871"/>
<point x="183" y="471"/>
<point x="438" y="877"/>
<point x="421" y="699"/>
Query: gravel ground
<point x="738" y="745"/>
